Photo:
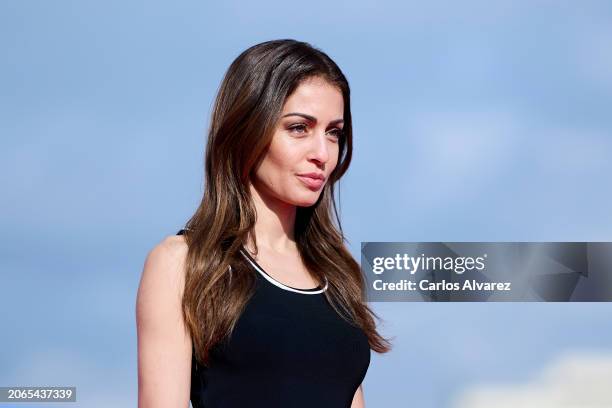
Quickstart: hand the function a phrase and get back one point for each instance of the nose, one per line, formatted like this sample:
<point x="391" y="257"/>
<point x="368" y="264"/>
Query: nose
<point x="319" y="150"/>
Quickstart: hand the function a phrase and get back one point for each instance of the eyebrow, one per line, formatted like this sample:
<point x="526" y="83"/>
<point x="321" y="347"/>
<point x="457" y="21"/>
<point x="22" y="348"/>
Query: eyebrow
<point x="311" y="118"/>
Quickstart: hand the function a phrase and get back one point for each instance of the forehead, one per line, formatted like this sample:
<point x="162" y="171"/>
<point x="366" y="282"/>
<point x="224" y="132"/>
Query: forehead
<point x="317" y="97"/>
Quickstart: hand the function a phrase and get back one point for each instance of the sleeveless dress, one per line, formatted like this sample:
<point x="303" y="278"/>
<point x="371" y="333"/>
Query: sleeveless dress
<point x="289" y="349"/>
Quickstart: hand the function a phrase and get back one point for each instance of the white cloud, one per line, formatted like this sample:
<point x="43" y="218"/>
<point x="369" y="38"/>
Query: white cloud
<point x="576" y="380"/>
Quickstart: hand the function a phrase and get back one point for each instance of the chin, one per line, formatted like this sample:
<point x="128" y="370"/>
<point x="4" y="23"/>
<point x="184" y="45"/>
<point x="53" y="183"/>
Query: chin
<point x="307" y="200"/>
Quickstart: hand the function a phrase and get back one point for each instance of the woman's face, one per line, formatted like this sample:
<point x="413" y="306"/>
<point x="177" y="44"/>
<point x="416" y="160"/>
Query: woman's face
<point x="305" y="140"/>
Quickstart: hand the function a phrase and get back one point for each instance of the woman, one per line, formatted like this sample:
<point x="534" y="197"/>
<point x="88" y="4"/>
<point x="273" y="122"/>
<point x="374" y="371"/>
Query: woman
<point x="257" y="302"/>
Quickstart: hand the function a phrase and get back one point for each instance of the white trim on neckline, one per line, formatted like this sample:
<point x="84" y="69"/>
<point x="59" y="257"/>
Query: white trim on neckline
<point x="282" y="285"/>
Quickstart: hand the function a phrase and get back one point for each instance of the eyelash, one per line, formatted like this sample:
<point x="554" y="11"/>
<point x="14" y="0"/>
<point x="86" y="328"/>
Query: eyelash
<point x="337" y="131"/>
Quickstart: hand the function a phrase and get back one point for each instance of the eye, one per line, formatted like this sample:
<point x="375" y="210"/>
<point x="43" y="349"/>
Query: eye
<point x="299" y="129"/>
<point x="337" y="132"/>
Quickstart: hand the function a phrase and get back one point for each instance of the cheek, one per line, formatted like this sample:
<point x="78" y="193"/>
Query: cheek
<point x="333" y="162"/>
<point x="283" y="158"/>
<point x="285" y="153"/>
<point x="280" y="163"/>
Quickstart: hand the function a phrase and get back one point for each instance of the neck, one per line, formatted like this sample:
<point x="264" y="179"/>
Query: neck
<point x="274" y="227"/>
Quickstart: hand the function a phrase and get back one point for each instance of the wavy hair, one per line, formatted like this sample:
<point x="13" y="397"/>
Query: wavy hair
<point x="245" y="113"/>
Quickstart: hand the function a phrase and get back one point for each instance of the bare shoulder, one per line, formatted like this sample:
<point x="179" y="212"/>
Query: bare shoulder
<point x="164" y="344"/>
<point x="171" y="249"/>
<point x="164" y="269"/>
<point x="167" y="257"/>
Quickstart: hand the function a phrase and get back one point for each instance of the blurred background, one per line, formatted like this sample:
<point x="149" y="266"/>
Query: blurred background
<point x="474" y="121"/>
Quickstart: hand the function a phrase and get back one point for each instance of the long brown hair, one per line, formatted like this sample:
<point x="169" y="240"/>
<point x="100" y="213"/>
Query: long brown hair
<point x="246" y="110"/>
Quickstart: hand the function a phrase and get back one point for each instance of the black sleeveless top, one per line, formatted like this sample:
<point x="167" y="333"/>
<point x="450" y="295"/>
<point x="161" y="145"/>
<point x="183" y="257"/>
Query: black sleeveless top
<point x="289" y="349"/>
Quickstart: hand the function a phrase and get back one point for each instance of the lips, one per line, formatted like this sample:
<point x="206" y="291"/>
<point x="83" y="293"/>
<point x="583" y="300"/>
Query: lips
<point x="313" y="175"/>
<point x="314" y="183"/>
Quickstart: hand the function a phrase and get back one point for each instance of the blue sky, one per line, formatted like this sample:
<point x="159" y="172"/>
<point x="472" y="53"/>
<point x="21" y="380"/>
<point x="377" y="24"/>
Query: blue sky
<point x="474" y="121"/>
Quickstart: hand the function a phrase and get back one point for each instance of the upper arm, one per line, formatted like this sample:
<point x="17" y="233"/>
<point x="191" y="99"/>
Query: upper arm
<point x="358" y="400"/>
<point x="164" y="346"/>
